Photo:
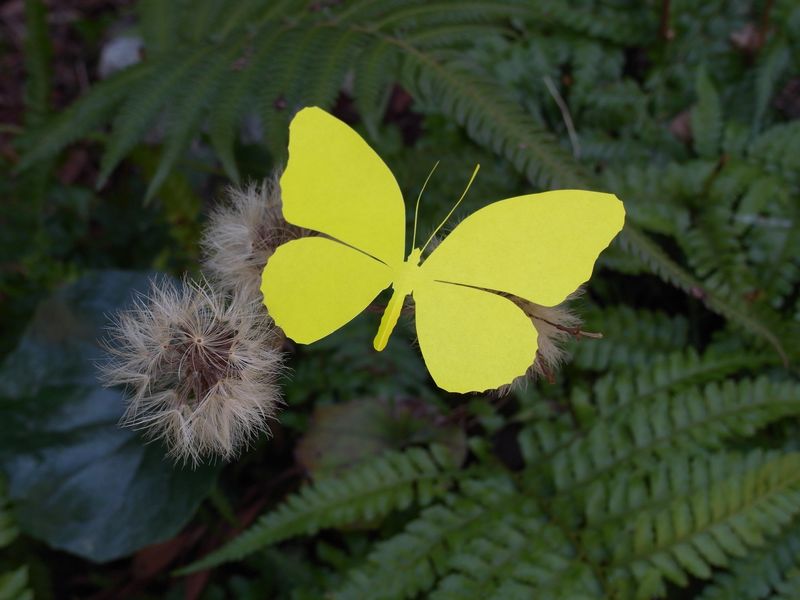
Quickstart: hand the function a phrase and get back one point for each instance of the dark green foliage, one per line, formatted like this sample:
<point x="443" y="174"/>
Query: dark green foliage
<point x="291" y="57"/>
<point x="13" y="582"/>
<point x="391" y="482"/>
<point x="80" y="482"/>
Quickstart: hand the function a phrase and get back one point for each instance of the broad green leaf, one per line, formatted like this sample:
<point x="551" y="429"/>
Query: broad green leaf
<point x="342" y="435"/>
<point x="78" y="481"/>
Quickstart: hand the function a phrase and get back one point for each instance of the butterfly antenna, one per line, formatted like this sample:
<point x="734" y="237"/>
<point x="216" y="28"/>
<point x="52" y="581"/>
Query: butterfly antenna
<point x="416" y="208"/>
<point x="452" y="210"/>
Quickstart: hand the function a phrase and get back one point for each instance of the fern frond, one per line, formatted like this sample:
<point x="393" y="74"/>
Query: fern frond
<point x="772" y="64"/>
<point x="327" y="73"/>
<point x="187" y="112"/>
<point x="283" y="92"/>
<point x="419" y="15"/>
<point x="612" y="397"/>
<point x="14" y="585"/>
<point x="8" y="530"/>
<point x="759" y="325"/>
<point x="499" y="123"/>
<point x="757" y="575"/>
<point x="716" y="254"/>
<point x="421" y="551"/>
<point x="374" y="75"/>
<point x="490" y="118"/>
<point x="245" y="17"/>
<point x="706" y="117"/>
<point x="628" y="27"/>
<point x="158" y="24"/>
<point x="520" y="555"/>
<point x="201" y="24"/>
<point x="389" y="482"/>
<point x="82" y="117"/>
<point x="449" y="35"/>
<point x="37" y="62"/>
<point x="778" y="150"/>
<point x="787" y="590"/>
<point x="693" y="517"/>
<point x="228" y="110"/>
<point x="630" y="337"/>
<point x="671" y="373"/>
<point x="142" y="107"/>
<point x="700" y="417"/>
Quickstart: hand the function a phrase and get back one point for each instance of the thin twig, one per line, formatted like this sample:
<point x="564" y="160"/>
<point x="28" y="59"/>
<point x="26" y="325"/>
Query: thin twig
<point x="576" y="332"/>
<point x="562" y="106"/>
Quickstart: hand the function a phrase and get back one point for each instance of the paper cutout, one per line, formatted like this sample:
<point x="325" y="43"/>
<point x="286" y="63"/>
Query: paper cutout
<point x="539" y="247"/>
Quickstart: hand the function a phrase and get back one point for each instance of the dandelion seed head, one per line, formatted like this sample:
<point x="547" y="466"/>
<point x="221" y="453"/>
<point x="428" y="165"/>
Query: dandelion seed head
<point x="242" y="234"/>
<point x="199" y="366"/>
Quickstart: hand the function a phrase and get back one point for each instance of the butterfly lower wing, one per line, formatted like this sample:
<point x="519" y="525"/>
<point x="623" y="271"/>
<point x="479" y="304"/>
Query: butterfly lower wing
<point x="540" y="247"/>
<point x="314" y="285"/>
<point x="472" y="340"/>
<point x="336" y="184"/>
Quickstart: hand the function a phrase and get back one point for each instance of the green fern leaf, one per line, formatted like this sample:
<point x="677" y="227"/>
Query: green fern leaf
<point x="706" y="117"/>
<point x="672" y="373"/>
<point x="158" y="24"/>
<point x="700" y="417"/>
<point x="275" y="98"/>
<point x="80" y="118"/>
<point x="246" y="16"/>
<point x="519" y="554"/>
<point x="716" y="254"/>
<point x="239" y="96"/>
<point x="202" y="21"/>
<point x="140" y="110"/>
<point x="8" y="530"/>
<point x="758" y="324"/>
<point x="777" y="150"/>
<point x="771" y="67"/>
<point x="373" y="75"/>
<point x="755" y="576"/>
<point x="422" y="549"/>
<point x="490" y="118"/>
<point x="448" y="35"/>
<point x="14" y="585"/>
<point x="725" y="506"/>
<point x="37" y="62"/>
<point x="630" y="26"/>
<point x="187" y="112"/>
<point x="630" y="337"/>
<point x="389" y="482"/>
<point x="327" y="72"/>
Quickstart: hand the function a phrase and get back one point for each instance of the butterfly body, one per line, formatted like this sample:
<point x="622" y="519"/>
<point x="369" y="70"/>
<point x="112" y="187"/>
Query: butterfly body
<point x="538" y="247"/>
<point x="403" y="283"/>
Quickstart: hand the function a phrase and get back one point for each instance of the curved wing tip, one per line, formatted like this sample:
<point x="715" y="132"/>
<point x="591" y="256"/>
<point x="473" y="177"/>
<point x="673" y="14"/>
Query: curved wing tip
<point x="472" y="390"/>
<point x="480" y="388"/>
<point x="310" y="110"/>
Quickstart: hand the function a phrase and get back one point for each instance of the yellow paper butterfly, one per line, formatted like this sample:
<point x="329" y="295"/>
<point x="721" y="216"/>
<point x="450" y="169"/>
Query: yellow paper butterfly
<point x="539" y="247"/>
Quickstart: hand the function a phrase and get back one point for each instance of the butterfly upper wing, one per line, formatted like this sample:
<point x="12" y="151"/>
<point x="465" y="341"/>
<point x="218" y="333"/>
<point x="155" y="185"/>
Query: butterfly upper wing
<point x="314" y="285"/>
<point x="336" y="184"/>
<point x="472" y="340"/>
<point x="540" y="247"/>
